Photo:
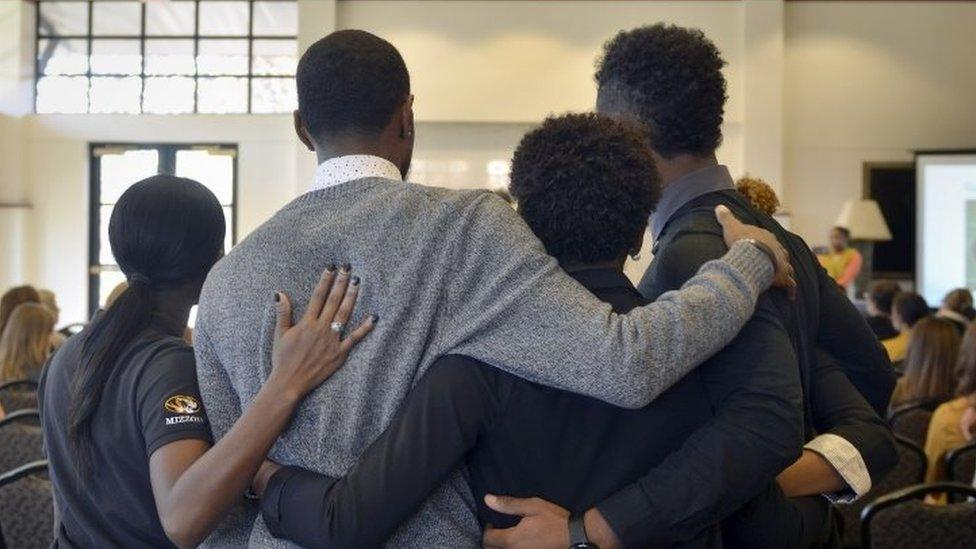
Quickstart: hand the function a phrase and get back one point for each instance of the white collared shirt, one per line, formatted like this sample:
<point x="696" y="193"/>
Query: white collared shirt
<point x="341" y="169"/>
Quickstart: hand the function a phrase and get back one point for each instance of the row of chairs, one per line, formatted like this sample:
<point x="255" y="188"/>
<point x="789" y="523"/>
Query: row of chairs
<point x="27" y="507"/>
<point x="903" y="485"/>
<point x="26" y="501"/>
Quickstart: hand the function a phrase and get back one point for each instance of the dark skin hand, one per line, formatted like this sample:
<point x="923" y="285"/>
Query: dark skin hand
<point x="544" y="525"/>
<point x="810" y="475"/>
<point x="194" y="484"/>
<point x="734" y="230"/>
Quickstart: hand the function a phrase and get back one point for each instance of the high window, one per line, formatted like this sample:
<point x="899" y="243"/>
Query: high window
<point x="115" y="167"/>
<point x="166" y="57"/>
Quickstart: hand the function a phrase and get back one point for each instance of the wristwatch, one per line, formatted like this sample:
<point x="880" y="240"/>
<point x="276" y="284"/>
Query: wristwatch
<point x="577" y="533"/>
<point x="762" y="248"/>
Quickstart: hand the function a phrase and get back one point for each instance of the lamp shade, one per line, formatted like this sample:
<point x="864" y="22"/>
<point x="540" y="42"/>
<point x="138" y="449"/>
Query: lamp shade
<point x="864" y="220"/>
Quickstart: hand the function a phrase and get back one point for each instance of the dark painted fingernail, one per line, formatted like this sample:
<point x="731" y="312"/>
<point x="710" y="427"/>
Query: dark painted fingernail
<point x="331" y="269"/>
<point x="346" y="267"/>
<point x="277" y="297"/>
<point x="354" y="281"/>
<point x="375" y="318"/>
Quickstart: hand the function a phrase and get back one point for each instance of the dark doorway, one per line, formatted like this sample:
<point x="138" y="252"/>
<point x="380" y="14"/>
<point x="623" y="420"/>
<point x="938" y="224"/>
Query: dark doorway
<point x="892" y="185"/>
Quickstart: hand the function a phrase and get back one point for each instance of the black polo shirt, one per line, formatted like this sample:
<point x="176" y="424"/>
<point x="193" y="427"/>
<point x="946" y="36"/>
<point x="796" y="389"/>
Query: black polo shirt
<point x="152" y="401"/>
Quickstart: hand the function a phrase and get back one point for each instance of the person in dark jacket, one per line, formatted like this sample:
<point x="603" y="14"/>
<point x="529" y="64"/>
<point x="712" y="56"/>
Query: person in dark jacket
<point x="669" y="78"/>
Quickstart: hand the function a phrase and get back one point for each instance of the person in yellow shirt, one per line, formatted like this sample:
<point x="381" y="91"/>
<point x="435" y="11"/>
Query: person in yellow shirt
<point x="907" y="309"/>
<point x="945" y="430"/>
<point x="842" y="262"/>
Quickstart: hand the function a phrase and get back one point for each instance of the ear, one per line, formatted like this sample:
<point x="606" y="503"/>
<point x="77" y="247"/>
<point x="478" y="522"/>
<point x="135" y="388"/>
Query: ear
<point x="406" y="118"/>
<point x="302" y="132"/>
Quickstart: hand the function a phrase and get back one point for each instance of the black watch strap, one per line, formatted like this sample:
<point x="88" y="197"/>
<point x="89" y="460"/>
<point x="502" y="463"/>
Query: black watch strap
<point x="577" y="533"/>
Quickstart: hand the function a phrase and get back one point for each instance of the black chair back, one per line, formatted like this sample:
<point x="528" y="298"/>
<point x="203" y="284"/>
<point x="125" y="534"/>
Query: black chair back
<point x="21" y="439"/>
<point x="909" y="471"/>
<point x="912" y="420"/>
<point x="961" y="464"/>
<point x="902" y="519"/>
<point x="27" y="507"/>
<point x="18" y="394"/>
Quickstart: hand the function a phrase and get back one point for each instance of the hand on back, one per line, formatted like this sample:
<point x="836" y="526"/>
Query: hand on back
<point x="308" y="352"/>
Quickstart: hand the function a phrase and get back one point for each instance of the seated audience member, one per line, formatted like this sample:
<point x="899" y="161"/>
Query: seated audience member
<point x="930" y="365"/>
<point x="14" y="297"/>
<point x="843" y="263"/>
<point x="126" y="435"/>
<point x="515" y="436"/>
<point x="26" y="342"/>
<point x="880" y="297"/>
<point x="50" y="302"/>
<point x="946" y="428"/>
<point x="957" y="307"/>
<point x="906" y="310"/>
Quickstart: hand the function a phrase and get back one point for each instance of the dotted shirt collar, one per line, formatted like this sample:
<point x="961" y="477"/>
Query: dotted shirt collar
<point x="341" y="169"/>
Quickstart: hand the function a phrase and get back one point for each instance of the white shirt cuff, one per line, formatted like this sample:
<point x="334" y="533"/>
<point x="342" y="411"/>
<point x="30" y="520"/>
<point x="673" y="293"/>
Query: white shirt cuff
<point x="845" y="458"/>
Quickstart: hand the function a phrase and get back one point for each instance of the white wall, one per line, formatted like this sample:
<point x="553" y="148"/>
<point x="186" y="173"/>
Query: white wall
<point x="516" y="61"/>
<point x="15" y="24"/>
<point x="870" y="81"/>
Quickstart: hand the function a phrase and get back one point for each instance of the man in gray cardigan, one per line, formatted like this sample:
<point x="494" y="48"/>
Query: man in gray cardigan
<point x="447" y="272"/>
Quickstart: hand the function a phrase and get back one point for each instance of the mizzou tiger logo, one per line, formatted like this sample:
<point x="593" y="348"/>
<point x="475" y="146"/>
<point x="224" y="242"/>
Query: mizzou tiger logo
<point x="182" y="404"/>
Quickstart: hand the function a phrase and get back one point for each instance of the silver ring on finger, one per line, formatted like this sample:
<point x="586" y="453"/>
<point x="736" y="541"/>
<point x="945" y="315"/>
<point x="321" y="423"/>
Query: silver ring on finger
<point x="337" y="327"/>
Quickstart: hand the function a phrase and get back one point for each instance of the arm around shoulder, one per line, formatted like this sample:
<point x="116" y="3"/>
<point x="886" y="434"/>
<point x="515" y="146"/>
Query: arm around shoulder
<point x="512" y="305"/>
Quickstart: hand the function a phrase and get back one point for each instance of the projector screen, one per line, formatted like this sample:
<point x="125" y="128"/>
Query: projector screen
<point x="946" y="223"/>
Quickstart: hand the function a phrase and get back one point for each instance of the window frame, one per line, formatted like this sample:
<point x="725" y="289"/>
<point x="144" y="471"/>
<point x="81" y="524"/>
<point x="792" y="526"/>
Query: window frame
<point x="166" y="165"/>
<point x="89" y="37"/>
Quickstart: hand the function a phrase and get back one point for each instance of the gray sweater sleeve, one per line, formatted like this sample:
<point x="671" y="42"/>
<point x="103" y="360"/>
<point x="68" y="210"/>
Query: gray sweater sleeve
<point x="508" y="303"/>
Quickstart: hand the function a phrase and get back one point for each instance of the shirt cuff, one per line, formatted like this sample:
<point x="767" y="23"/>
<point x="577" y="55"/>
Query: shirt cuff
<point x="847" y="460"/>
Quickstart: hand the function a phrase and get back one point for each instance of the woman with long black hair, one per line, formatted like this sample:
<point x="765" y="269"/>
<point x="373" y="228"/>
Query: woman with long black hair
<point x="131" y="456"/>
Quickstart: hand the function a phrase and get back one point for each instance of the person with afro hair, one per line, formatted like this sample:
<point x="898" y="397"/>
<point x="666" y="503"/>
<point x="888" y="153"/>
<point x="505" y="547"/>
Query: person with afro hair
<point x="669" y="79"/>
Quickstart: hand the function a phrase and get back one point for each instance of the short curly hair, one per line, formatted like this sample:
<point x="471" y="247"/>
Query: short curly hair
<point x="670" y="78"/>
<point x="586" y="185"/>
<point x="350" y="83"/>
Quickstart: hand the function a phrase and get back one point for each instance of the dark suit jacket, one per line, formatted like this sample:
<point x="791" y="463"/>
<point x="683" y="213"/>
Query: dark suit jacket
<point x="821" y="319"/>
